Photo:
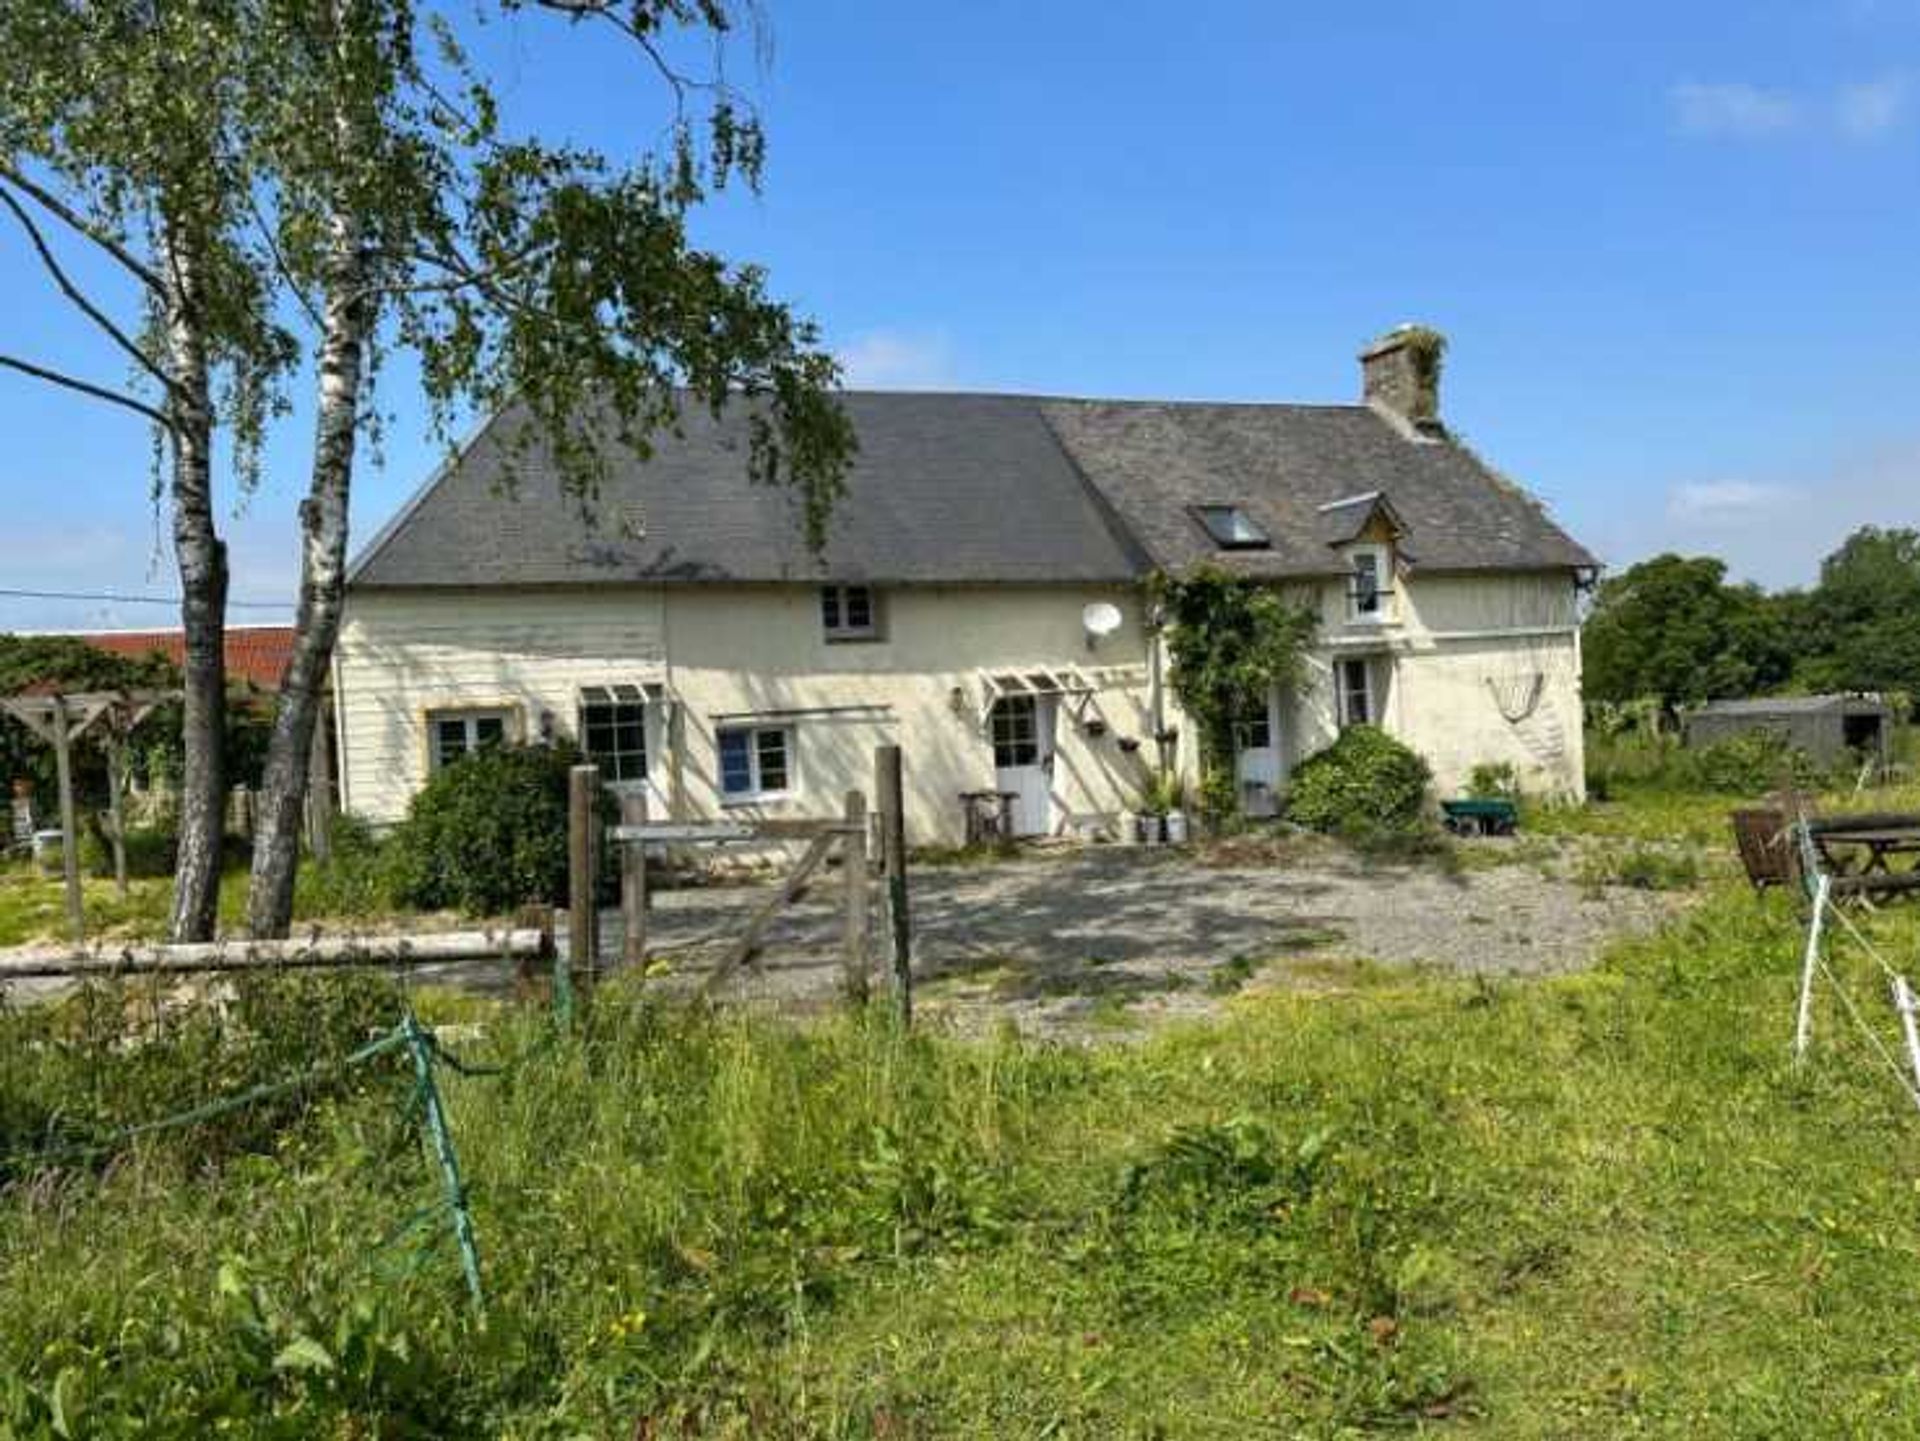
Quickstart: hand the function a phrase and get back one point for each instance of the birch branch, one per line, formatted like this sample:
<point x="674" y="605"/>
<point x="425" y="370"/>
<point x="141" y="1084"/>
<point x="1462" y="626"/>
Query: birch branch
<point x="57" y="208"/>
<point x="73" y="292"/>
<point x="87" y="387"/>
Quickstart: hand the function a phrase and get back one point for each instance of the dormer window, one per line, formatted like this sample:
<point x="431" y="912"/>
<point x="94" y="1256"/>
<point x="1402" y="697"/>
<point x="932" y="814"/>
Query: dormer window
<point x="1231" y="528"/>
<point x="1369" y="584"/>
<point x="849" y="612"/>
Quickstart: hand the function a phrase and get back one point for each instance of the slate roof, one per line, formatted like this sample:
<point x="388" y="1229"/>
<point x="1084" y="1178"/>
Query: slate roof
<point x="1281" y="463"/>
<point x="971" y="488"/>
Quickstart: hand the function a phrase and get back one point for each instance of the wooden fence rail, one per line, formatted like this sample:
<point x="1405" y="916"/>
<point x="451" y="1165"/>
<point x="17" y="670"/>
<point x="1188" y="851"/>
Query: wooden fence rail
<point x="315" y="952"/>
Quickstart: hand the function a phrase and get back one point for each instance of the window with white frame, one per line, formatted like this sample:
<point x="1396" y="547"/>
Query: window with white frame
<point x="849" y="612"/>
<point x="1369" y="584"/>
<point x="756" y="762"/>
<point x="613" y="730"/>
<point x="1355" y="678"/>
<point x="452" y="734"/>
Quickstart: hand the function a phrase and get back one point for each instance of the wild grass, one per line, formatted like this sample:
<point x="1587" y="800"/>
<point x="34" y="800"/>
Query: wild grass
<point x="1591" y="1206"/>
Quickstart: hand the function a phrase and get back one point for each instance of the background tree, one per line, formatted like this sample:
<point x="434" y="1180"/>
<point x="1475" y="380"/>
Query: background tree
<point x="334" y="180"/>
<point x="1860" y="626"/>
<point x="1671" y="628"/>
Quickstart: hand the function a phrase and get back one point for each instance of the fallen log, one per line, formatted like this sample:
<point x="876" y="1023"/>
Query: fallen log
<point x="311" y="953"/>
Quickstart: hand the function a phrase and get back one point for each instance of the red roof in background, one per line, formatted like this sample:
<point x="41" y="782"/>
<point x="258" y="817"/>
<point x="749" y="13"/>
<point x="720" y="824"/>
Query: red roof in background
<point x="256" y="654"/>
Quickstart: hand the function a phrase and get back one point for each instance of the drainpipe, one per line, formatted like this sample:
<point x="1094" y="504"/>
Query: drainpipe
<point x="1156" y="687"/>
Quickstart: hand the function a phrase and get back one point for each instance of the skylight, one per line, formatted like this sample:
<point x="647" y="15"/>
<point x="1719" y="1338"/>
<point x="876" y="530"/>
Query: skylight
<point x="1231" y="527"/>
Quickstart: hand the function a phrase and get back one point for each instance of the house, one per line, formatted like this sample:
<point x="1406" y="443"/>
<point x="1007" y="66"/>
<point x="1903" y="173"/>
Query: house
<point x="981" y="602"/>
<point x="1829" y="728"/>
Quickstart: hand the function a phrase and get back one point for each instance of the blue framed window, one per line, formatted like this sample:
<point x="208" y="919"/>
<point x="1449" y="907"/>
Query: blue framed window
<point x="755" y="761"/>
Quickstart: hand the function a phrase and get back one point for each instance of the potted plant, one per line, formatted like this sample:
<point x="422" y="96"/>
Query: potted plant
<point x="1161" y="800"/>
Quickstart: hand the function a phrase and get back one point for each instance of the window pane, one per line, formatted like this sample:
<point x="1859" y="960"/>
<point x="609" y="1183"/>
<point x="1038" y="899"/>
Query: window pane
<point x="450" y="741"/>
<point x="736" y="763"/>
<point x="859" y="608"/>
<point x="1366" y="584"/>
<point x="489" y="730"/>
<point x="773" y="759"/>
<point x="830" y="607"/>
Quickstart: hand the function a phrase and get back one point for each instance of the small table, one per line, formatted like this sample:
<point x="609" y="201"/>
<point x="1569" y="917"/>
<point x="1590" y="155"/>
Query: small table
<point x="989" y="817"/>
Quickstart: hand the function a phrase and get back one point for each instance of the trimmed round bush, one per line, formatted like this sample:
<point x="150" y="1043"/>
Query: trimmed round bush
<point x="487" y="834"/>
<point x="1366" y="778"/>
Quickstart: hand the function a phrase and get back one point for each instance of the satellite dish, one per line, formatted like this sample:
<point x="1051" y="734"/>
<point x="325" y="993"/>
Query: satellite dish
<point x="1102" y="618"/>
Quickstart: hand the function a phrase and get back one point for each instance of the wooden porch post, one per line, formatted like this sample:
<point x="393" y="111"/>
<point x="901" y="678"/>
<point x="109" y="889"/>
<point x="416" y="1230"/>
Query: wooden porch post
<point x="116" y="814"/>
<point x="69" y="830"/>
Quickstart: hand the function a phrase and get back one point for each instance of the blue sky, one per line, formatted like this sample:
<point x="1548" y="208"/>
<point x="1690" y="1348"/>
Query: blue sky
<point x="1673" y="246"/>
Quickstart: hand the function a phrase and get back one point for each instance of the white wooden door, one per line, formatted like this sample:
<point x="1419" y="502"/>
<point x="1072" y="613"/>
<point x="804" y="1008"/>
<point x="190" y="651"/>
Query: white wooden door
<point x="1021" y="728"/>
<point x="1257" y="764"/>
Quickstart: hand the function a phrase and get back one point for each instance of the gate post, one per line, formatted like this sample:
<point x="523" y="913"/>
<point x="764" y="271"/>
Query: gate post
<point x="633" y="881"/>
<point x="853" y="861"/>
<point x="890" y="790"/>
<point x="583" y="854"/>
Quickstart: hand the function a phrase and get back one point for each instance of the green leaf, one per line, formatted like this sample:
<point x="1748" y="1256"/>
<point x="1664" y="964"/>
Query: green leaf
<point x="303" y="1353"/>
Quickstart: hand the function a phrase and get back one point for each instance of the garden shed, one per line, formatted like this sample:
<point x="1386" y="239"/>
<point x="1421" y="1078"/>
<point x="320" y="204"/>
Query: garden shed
<point x="1826" y="727"/>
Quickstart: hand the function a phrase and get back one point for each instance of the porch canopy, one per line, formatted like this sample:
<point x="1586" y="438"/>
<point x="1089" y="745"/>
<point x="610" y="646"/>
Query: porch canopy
<point x="60" y="720"/>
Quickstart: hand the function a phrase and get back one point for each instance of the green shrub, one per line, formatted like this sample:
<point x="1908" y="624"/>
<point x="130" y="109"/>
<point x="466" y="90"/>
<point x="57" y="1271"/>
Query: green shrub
<point x="487" y="833"/>
<point x="1749" y="763"/>
<point x="1494" y="781"/>
<point x="151" y="851"/>
<point x="356" y="880"/>
<point x="1364" y="778"/>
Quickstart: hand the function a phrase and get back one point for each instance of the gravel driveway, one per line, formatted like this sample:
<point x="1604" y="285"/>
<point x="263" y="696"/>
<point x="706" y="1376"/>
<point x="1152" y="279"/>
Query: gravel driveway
<point x="1110" y="937"/>
<point x="1104" y="940"/>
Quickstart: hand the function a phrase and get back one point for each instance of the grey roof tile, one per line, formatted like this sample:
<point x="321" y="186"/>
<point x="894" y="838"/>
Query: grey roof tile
<point x="966" y="488"/>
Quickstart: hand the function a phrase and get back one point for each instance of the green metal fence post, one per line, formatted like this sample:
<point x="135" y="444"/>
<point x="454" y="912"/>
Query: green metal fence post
<point x="422" y="1048"/>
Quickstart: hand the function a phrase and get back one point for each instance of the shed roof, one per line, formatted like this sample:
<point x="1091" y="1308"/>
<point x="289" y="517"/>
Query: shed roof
<point x="970" y="488"/>
<point x="1795" y="705"/>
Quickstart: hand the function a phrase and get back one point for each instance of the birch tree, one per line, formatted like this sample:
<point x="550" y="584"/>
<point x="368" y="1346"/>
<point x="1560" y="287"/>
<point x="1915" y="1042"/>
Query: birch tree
<point x="366" y="196"/>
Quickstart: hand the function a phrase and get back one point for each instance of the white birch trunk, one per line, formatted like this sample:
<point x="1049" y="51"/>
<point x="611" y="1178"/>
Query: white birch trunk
<point x="202" y="559"/>
<point x="323" y="581"/>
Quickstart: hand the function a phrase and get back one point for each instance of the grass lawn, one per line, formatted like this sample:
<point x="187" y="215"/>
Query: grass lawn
<point x="1602" y="1205"/>
<point x="33" y="907"/>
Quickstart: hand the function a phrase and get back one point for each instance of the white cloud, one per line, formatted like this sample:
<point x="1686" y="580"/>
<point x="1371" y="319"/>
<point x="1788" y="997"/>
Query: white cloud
<point x="1733" y="109"/>
<point x="898" y="360"/>
<point x="1871" y="109"/>
<point x="1774" y="530"/>
<point x="1721" y="502"/>
<point x="1737" y="110"/>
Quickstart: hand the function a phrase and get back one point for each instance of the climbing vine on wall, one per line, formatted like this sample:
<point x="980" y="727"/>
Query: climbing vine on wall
<point x="1230" y="641"/>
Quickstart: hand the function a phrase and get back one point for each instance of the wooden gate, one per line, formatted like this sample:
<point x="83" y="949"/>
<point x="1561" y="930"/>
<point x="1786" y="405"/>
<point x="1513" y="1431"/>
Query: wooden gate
<point x="860" y="834"/>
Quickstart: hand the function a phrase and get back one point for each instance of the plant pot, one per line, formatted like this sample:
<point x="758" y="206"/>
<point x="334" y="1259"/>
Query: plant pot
<point x="1148" y="828"/>
<point x="1176" y="828"/>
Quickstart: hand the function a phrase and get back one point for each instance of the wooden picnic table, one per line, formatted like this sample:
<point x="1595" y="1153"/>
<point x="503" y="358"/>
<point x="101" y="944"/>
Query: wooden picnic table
<point x="1870" y="854"/>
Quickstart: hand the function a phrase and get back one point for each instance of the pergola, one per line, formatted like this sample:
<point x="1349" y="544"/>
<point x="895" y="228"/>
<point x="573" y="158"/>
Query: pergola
<point x="60" y="720"/>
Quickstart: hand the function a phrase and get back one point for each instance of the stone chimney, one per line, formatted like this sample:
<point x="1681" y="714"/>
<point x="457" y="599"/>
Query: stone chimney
<point x="1400" y="375"/>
